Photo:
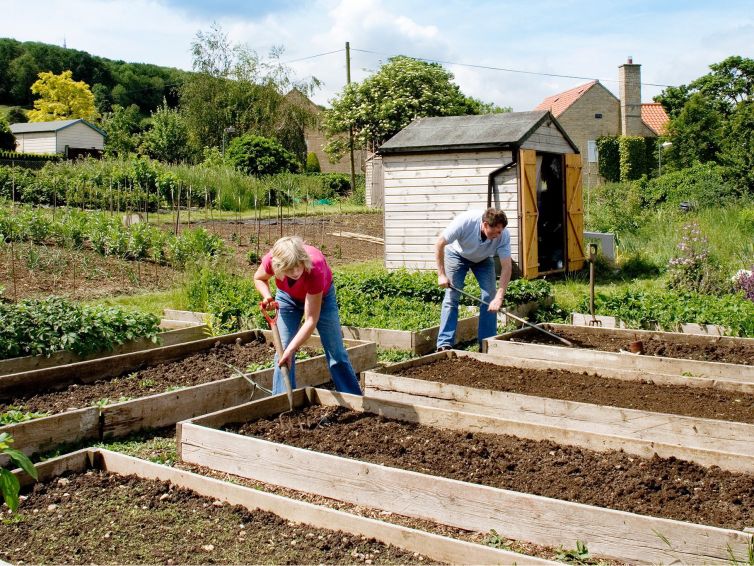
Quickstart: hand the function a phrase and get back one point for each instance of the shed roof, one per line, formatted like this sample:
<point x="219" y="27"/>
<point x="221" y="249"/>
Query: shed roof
<point x="484" y="131"/>
<point x="52" y="126"/>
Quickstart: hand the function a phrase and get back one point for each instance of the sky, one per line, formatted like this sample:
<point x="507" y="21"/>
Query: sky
<point x="513" y="54"/>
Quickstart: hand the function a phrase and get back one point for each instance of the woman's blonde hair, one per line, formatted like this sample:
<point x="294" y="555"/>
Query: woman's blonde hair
<point x="288" y="253"/>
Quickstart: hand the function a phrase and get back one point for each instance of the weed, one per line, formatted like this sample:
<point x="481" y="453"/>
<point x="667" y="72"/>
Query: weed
<point x="147" y="383"/>
<point x="494" y="540"/>
<point x="579" y="555"/>
<point x="749" y="561"/>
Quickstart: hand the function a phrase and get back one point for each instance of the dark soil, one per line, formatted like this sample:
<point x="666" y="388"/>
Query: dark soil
<point x="193" y="370"/>
<point x="587" y="388"/>
<point x="655" y="346"/>
<point x="100" y="518"/>
<point x="669" y="488"/>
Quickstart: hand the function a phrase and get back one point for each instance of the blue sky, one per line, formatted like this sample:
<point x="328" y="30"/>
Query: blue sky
<point x="674" y="41"/>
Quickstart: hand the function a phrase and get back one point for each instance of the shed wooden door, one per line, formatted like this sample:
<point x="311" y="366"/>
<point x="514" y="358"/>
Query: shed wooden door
<point x="574" y="212"/>
<point x="529" y="211"/>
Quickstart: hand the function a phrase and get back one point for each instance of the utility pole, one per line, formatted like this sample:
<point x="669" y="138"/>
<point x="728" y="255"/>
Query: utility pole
<point x="350" y="128"/>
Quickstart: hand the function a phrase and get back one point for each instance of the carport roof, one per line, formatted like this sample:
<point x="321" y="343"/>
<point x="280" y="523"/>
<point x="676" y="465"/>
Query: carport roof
<point x="485" y="131"/>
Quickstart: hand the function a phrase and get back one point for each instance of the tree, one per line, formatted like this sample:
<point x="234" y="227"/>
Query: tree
<point x="383" y="104"/>
<point x="312" y="163"/>
<point x="122" y="127"/>
<point x="167" y="139"/>
<point x="259" y="156"/>
<point x="7" y="140"/>
<point x="61" y="98"/>
<point x="737" y="151"/>
<point x="696" y="133"/>
<point x="233" y="86"/>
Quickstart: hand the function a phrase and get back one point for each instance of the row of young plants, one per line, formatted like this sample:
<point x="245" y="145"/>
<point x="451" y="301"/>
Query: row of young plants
<point x="370" y="298"/>
<point x="42" y="327"/>
<point x="106" y="234"/>
<point x="138" y="183"/>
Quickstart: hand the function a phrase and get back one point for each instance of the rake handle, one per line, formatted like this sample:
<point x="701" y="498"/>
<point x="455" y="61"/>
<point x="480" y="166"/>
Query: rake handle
<point x="513" y="316"/>
<point x="278" y="343"/>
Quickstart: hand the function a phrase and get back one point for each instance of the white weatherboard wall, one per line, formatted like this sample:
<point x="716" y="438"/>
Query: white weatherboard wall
<point x="424" y="192"/>
<point x="36" y="142"/>
<point x="79" y="135"/>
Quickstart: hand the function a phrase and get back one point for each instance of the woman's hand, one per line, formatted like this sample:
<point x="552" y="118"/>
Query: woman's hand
<point x="285" y="359"/>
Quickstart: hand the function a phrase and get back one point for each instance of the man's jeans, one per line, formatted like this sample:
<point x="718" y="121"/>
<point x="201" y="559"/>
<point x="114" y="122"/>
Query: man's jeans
<point x="456" y="268"/>
<point x="328" y="326"/>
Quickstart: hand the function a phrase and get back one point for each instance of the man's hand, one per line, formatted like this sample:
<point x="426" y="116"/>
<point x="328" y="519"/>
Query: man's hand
<point x="443" y="281"/>
<point x="496" y="304"/>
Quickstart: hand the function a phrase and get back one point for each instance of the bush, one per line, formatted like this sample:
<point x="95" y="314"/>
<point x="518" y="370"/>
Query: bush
<point x="312" y="163"/>
<point x="744" y="281"/>
<point x="702" y="185"/>
<point x="259" y="156"/>
<point x="693" y="268"/>
<point x="615" y="207"/>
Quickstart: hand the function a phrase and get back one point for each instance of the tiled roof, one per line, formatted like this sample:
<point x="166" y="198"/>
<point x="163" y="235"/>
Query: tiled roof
<point x="559" y="103"/>
<point x="654" y="116"/>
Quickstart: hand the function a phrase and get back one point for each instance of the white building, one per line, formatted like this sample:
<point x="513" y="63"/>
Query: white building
<point x="71" y="138"/>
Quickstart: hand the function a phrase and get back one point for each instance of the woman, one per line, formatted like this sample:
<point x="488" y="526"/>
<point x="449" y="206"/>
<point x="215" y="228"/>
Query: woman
<point x="304" y="289"/>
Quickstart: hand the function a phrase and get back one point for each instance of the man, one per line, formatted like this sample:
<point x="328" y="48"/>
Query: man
<point x="469" y="242"/>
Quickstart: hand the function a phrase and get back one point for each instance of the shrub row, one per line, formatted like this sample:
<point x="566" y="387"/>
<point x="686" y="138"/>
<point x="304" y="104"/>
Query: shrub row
<point x="42" y="327"/>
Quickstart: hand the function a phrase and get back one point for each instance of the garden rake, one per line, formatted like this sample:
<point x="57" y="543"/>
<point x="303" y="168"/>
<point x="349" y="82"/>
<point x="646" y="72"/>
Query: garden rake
<point x="513" y="316"/>
<point x="272" y="321"/>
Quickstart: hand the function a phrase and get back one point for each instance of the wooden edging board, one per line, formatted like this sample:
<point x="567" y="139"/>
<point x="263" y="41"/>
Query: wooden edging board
<point x="540" y="520"/>
<point x="707" y="442"/>
<point x="435" y="547"/>
<point x="167" y="338"/>
<point x="164" y="409"/>
<point x="502" y="345"/>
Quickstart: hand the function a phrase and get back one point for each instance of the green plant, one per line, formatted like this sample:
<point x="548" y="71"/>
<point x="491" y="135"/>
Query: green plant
<point x="494" y="540"/>
<point x="312" y="163"/>
<point x="9" y="484"/>
<point x="393" y="356"/>
<point x="748" y="561"/>
<point x="579" y="555"/>
<point x="15" y="415"/>
<point x="632" y="152"/>
<point x="693" y="268"/>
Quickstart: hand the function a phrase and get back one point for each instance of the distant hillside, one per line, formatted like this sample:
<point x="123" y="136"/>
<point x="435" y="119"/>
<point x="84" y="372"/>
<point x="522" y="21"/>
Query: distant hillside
<point x="112" y="82"/>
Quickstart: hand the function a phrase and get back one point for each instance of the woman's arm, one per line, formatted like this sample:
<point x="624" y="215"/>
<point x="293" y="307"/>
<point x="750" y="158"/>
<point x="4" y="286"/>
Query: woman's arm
<point x="262" y="283"/>
<point x="312" y="308"/>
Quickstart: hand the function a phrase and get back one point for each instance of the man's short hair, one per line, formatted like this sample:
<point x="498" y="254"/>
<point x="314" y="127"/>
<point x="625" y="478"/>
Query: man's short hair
<point x="495" y="217"/>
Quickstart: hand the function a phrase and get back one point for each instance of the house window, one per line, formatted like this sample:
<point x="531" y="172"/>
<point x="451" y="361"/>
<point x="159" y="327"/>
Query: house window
<point x="598" y="116"/>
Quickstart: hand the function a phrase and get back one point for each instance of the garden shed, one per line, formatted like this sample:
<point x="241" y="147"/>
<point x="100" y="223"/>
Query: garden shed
<point x="71" y="138"/>
<point x="520" y="162"/>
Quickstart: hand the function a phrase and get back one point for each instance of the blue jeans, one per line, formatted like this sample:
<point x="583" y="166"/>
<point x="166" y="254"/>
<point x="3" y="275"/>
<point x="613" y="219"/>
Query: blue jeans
<point x="328" y="326"/>
<point x="456" y="268"/>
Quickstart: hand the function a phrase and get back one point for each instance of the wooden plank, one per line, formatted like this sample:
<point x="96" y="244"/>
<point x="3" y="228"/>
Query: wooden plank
<point x="188" y="316"/>
<point x="362" y="237"/>
<point x="433" y="546"/>
<point x="76" y="462"/>
<point x="594" y="427"/>
<point x="655" y="364"/>
<point x="46" y="433"/>
<point x="541" y="520"/>
<point x="419" y="341"/>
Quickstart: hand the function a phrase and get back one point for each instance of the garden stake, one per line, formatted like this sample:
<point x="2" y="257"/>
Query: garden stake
<point x="592" y="259"/>
<point x="513" y="316"/>
<point x="273" y="322"/>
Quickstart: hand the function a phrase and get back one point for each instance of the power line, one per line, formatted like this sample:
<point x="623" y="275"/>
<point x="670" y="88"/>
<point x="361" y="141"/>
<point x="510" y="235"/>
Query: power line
<point x="313" y="56"/>
<point x="490" y="68"/>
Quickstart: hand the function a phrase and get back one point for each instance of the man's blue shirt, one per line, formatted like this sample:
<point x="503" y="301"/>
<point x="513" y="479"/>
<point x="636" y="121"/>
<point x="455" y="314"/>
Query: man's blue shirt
<point x="464" y="236"/>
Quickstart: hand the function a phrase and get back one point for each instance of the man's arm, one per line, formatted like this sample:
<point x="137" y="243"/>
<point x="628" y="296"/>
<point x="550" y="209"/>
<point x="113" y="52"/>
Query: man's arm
<point x="442" y="279"/>
<point x="506" y="268"/>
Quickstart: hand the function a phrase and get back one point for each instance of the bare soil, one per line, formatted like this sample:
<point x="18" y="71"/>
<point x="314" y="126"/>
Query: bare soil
<point x="654" y="346"/>
<point x="41" y="270"/>
<point x="644" y="395"/>
<point x="669" y="488"/>
<point x="196" y="369"/>
<point x="101" y="518"/>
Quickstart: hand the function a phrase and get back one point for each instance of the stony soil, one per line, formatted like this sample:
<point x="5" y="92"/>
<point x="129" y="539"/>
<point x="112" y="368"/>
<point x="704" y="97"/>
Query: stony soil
<point x="668" y="488"/>
<point x="588" y="388"/>
<point x="655" y="346"/>
<point x="199" y="368"/>
<point x="100" y="518"/>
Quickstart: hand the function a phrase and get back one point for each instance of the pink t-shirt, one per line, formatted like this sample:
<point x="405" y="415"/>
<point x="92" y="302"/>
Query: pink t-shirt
<point x="317" y="280"/>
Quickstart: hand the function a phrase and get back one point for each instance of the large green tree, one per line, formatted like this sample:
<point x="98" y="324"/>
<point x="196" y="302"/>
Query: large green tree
<point x="233" y="87"/>
<point x="167" y="138"/>
<point x="402" y="90"/>
<point x="122" y="127"/>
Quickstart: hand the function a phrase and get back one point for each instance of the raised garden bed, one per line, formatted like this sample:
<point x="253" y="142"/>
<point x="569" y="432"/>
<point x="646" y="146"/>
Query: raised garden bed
<point x="169" y="384"/>
<point x="174" y="332"/>
<point x="100" y="506"/>
<point x="664" y="352"/>
<point x="568" y="405"/>
<point x="454" y="461"/>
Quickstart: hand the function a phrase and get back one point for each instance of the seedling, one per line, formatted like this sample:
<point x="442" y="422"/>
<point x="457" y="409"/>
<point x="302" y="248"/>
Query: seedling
<point x="579" y="555"/>
<point x="147" y="383"/>
<point x="17" y="415"/>
<point x="9" y="484"/>
<point x="494" y="540"/>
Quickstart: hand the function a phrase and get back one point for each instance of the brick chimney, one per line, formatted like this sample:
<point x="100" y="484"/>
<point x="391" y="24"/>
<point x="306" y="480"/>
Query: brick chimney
<point x="629" y="79"/>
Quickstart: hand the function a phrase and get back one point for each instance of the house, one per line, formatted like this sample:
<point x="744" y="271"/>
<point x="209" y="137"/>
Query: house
<point x="590" y="111"/>
<point x="71" y="138"/>
<point x="315" y="140"/>
<point x="521" y="162"/>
